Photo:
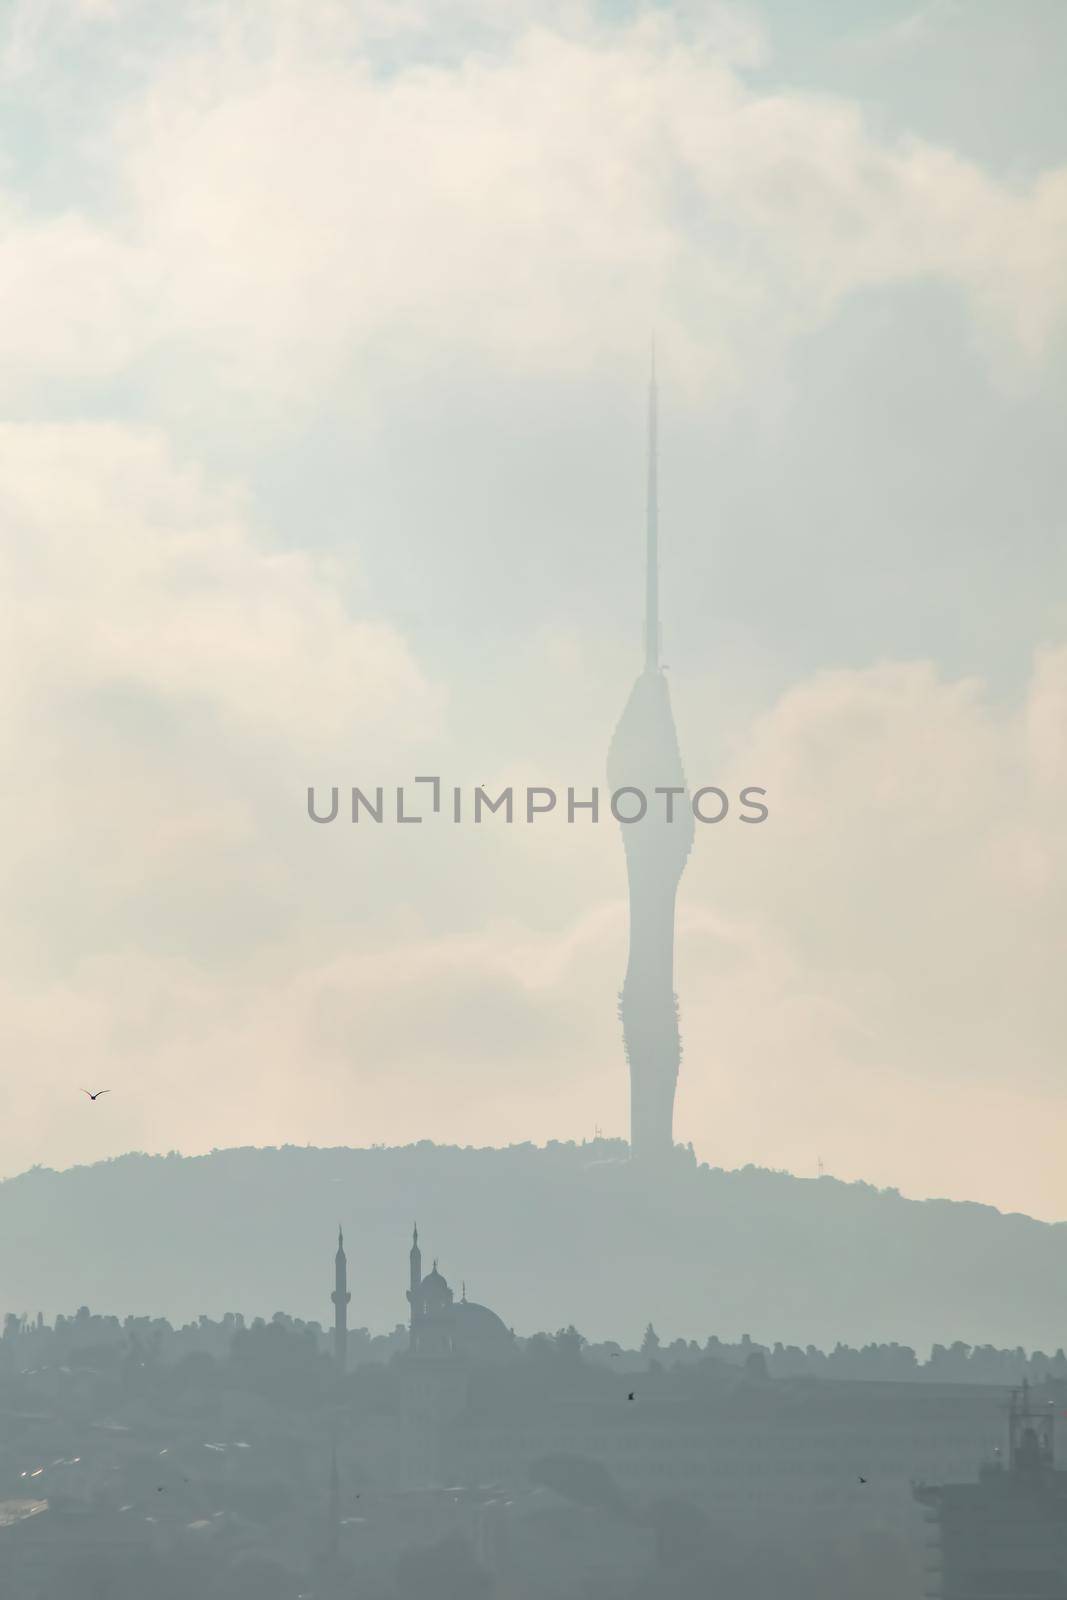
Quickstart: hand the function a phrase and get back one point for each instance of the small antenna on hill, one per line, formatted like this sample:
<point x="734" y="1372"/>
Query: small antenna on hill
<point x="822" y="1169"/>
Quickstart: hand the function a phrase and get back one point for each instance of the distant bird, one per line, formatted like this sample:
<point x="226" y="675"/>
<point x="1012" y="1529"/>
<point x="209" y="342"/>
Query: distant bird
<point x="630" y="1395"/>
<point x="614" y="1354"/>
<point x="863" y="1480"/>
<point x="97" y="1095"/>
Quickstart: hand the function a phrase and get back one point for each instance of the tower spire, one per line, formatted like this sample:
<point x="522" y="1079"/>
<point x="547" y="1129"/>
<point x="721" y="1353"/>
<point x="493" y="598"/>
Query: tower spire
<point x="652" y="531"/>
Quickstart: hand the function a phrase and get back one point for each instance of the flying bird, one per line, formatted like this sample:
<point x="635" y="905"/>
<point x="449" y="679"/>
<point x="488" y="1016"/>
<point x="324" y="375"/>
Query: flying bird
<point x="630" y="1395"/>
<point x="863" y="1480"/>
<point x="97" y="1095"/>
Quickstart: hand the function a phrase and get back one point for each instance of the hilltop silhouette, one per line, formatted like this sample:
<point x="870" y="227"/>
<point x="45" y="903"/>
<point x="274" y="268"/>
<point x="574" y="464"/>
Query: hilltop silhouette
<point x="549" y="1236"/>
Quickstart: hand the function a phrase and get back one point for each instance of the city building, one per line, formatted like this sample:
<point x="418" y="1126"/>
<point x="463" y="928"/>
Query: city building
<point x="1004" y="1536"/>
<point x="820" y="1467"/>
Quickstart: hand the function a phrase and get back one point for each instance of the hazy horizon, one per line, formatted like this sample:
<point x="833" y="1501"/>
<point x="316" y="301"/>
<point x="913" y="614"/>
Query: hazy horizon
<point x="858" y="1180"/>
<point x="546" y="1238"/>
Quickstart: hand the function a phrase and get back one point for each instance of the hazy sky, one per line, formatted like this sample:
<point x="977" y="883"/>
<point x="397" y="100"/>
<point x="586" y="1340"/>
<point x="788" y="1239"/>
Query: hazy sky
<point x="324" y="330"/>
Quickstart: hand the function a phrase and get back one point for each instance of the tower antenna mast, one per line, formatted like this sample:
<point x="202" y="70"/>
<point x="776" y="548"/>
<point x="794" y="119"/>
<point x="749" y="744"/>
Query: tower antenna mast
<point x="652" y="634"/>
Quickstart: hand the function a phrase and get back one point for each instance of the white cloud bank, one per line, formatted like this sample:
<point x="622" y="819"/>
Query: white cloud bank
<point x="272" y="205"/>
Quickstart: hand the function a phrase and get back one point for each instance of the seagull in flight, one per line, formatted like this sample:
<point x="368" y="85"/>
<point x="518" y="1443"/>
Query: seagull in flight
<point x="97" y="1095"/>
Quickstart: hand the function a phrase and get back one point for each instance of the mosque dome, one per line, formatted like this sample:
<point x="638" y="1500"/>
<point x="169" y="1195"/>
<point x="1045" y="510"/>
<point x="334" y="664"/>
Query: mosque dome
<point x="435" y="1297"/>
<point x="479" y="1332"/>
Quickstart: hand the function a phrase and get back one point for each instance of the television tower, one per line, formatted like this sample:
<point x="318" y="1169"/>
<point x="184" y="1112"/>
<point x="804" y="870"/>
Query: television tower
<point x="644" y="756"/>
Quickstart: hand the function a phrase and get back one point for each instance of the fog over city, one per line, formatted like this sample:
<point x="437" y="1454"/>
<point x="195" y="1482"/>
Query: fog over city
<point x="534" y="701"/>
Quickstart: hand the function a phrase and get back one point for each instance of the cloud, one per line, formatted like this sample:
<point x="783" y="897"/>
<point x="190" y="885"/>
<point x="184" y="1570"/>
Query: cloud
<point x="280" y="208"/>
<point x="905" y="34"/>
<point x="126" y="569"/>
<point x="169" y="684"/>
<point x="891" y="938"/>
<point x="370" y="1041"/>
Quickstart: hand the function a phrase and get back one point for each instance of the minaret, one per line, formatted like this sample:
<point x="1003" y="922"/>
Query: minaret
<point x="340" y="1298"/>
<point x="415" y="1278"/>
<point x="644" y="755"/>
